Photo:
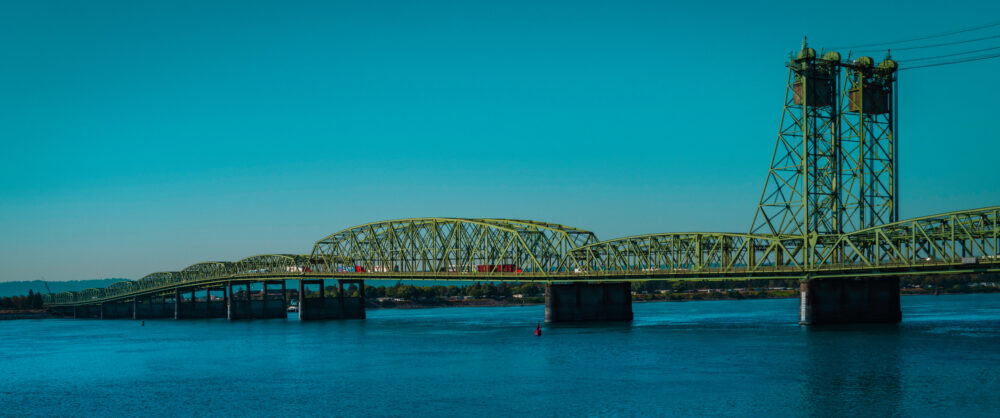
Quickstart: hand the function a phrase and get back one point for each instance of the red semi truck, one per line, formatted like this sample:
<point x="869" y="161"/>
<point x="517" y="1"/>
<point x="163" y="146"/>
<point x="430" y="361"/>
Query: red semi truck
<point x="497" y="268"/>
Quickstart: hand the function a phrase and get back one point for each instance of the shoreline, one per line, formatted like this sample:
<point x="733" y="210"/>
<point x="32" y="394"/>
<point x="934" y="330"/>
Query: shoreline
<point x="28" y="314"/>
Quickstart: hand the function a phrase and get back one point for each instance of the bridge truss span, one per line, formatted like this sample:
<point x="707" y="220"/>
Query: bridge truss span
<point x="966" y="240"/>
<point x="272" y="264"/>
<point x="692" y="253"/>
<point x="452" y="247"/>
<point x="962" y="238"/>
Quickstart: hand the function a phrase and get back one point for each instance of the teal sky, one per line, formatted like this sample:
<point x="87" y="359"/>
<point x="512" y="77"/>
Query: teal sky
<point x="147" y="136"/>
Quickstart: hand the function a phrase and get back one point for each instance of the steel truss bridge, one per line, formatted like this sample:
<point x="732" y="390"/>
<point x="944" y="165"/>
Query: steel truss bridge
<point x="829" y="209"/>
<point x="457" y="249"/>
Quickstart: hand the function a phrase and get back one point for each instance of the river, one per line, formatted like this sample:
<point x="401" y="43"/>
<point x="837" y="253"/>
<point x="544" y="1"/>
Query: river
<point x="734" y="358"/>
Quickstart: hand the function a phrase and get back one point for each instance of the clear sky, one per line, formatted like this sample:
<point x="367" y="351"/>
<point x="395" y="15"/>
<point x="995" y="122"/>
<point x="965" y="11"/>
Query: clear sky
<point x="147" y="136"/>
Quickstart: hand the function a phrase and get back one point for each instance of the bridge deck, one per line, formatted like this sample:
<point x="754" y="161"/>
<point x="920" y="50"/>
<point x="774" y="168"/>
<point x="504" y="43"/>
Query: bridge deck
<point x="453" y="249"/>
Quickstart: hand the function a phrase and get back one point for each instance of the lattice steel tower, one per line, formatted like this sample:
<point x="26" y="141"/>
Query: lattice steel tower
<point x="833" y="168"/>
<point x="868" y="145"/>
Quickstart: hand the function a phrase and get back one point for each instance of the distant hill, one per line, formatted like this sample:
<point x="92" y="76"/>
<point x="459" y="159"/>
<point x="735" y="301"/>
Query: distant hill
<point x="22" y="287"/>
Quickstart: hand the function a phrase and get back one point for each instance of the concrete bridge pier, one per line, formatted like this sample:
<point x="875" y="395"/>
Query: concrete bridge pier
<point x="849" y="301"/>
<point x="271" y="303"/>
<point x="151" y="307"/>
<point x="189" y="307"/>
<point x="322" y="307"/>
<point x="351" y="307"/>
<point x="238" y="302"/>
<point x="86" y="311"/>
<point x="217" y="308"/>
<point x="580" y="301"/>
<point x="116" y="310"/>
<point x="61" y="311"/>
<point x="242" y="305"/>
<point x="182" y="309"/>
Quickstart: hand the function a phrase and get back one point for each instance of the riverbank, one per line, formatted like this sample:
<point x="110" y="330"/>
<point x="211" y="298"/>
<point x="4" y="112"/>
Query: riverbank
<point x="948" y="291"/>
<point x="25" y="314"/>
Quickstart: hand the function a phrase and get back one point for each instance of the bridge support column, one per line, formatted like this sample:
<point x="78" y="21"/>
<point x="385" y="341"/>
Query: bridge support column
<point x="177" y="304"/>
<point x="569" y="302"/>
<point x="61" y="311"/>
<point x="151" y="308"/>
<point x="246" y="307"/>
<point x="87" y="311"/>
<point x="322" y="307"/>
<point x="238" y="308"/>
<point x="849" y="301"/>
<point x="193" y="308"/>
<point x="269" y="306"/>
<point x="207" y="311"/>
<point x="352" y="307"/>
<point x="216" y="309"/>
<point x="116" y="310"/>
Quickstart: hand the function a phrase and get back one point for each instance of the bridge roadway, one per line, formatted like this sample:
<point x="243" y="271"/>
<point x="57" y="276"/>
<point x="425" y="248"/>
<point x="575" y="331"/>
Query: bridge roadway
<point x="462" y="249"/>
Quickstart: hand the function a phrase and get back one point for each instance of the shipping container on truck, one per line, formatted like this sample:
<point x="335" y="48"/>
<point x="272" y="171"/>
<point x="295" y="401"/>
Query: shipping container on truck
<point x="498" y="268"/>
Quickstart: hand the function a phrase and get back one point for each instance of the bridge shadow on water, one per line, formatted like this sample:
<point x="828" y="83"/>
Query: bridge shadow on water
<point x="852" y="368"/>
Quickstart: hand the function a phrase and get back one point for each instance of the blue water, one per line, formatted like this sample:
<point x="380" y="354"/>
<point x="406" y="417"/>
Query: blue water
<point x="735" y="358"/>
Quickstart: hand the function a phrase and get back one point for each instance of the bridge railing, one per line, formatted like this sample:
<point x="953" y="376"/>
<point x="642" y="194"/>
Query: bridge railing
<point x="695" y="251"/>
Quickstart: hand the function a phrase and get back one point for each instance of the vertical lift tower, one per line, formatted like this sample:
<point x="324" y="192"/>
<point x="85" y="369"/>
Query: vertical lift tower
<point x="834" y="171"/>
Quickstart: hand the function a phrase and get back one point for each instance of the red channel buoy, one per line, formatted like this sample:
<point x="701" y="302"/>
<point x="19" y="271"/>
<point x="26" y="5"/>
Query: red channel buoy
<point x="538" y="330"/>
